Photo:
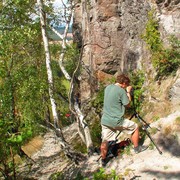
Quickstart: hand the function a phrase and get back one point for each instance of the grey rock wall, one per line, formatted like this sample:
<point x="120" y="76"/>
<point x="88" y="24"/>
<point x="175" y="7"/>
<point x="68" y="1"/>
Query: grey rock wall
<point x="110" y="32"/>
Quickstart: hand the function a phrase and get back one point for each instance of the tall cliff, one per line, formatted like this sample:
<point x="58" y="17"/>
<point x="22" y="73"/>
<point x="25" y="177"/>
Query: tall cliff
<point x="110" y="32"/>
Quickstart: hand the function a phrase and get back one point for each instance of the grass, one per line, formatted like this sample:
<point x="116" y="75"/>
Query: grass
<point x="166" y="167"/>
<point x="151" y="146"/>
<point x="128" y="171"/>
<point x="177" y="121"/>
<point x="167" y="130"/>
<point x="154" y="130"/>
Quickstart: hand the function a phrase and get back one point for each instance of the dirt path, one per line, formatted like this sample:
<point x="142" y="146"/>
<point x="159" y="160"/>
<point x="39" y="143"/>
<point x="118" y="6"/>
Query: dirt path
<point x="148" y="165"/>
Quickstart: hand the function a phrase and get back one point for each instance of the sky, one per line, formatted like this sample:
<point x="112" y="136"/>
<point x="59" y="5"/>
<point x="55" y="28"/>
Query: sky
<point x="57" y="3"/>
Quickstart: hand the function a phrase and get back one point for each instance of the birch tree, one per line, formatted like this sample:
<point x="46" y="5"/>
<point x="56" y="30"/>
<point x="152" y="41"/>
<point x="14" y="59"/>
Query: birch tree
<point x="66" y="148"/>
<point x="73" y="104"/>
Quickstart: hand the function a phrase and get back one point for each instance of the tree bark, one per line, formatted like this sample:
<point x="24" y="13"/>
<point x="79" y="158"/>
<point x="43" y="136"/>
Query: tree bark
<point x="66" y="148"/>
<point x="86" y="136"/>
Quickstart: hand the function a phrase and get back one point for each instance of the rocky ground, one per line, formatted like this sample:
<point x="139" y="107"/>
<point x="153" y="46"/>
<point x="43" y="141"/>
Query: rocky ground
<point x="150" y="164"/>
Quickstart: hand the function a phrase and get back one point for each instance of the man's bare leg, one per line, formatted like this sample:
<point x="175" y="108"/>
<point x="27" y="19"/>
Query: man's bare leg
<point x="135" y="141"/>
<point x="104" y="149"/>
<point x="135" y="138"/>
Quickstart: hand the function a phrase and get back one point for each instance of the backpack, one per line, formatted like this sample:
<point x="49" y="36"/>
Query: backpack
<point x="115" y="148"/>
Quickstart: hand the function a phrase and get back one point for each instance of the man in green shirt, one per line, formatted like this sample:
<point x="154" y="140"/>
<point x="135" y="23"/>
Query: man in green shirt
<point x="116" y="97"/>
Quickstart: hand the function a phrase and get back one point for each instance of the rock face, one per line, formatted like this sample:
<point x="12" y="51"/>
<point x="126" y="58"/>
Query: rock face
<point x="110" y="34"/>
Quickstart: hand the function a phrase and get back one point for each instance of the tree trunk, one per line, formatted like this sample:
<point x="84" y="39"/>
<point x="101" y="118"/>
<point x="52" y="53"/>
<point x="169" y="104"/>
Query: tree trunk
<point x="86" y="136"/>
<point x="66" y="148"/>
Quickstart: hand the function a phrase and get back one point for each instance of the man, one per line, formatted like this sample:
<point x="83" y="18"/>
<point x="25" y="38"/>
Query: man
<point x="116" y="97"/>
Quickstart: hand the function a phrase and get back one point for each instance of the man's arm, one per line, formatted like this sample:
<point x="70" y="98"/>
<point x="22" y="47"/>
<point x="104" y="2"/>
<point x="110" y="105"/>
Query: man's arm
<point x="128" y="92"/>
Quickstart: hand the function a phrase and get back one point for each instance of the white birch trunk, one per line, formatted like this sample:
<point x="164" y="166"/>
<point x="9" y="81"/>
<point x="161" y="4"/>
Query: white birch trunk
<point x="48" y="62"/>
<point x="61" y="57"/>
<point x="56" y="32"/>
<point x="66" y="148"/>
<point x="79" y="115"/>
<point x="84" y="125"/>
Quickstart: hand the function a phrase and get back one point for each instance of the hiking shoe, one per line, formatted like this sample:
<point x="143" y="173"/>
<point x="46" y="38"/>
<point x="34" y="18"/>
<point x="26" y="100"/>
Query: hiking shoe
<point x="140" y="149"/>
<point x="104" y="162"/>
<point x="110" y="155"/>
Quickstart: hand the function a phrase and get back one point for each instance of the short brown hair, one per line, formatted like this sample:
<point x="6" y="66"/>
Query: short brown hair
<point x="122" y="79"/>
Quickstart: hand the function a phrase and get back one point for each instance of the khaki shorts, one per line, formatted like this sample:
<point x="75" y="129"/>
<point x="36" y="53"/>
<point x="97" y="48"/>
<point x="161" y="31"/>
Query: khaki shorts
<point x="110" y="134"/>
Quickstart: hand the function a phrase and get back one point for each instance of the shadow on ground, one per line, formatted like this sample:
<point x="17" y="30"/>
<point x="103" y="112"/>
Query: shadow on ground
<point x="169" y="143"/>
<point x="163" y="175"/>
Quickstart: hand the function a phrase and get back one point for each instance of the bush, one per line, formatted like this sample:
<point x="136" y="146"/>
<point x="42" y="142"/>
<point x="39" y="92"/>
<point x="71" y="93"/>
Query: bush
<point x="165" y="60"/>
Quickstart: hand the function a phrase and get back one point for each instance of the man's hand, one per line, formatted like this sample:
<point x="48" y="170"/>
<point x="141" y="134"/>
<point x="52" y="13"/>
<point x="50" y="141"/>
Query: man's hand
<point x="128" y="89"/>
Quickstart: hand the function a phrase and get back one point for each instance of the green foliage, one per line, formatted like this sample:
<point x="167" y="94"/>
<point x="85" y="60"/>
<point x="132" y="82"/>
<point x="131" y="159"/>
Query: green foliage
<point x="153" y="130"/>
<point x="96" y="133"/>
<point x="103" y="176"/>
<point x="71" y="59"/>
<point x="166" y="167"/>
<point x="127" y="150"/>
<point x="137" y="80"/>
<point x="99" y="175"/>
<point x="128" y="171"/>
<point x="55" y="51"/>
<point x="97" y="102"/>
<point x="23" y="88"/>
<point x="24" y="99"/>
<point x="79" y="177"/>
<point x="57" y="176"/>
<point x="61" y="176"/>
<point x="151" y="146"/>
<point x="155" y="118"/>
<point x="80" y="147"/>
<point x="152" y="34"/>
<point x="61" y="89"/>
<point x="165" y="60"/>
<point x="177" y="121"/>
